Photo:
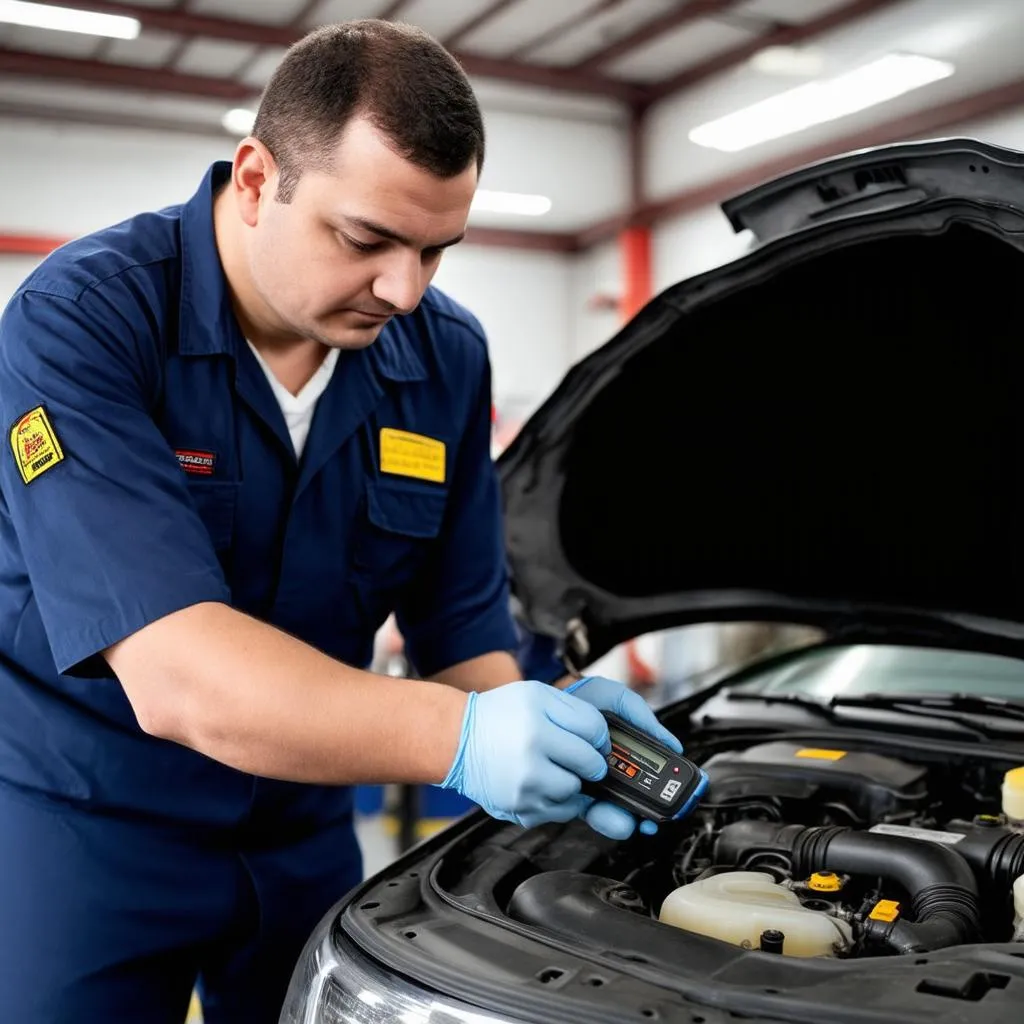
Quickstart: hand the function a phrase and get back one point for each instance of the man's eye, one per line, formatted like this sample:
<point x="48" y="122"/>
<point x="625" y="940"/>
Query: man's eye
<point x="354" y="243"/>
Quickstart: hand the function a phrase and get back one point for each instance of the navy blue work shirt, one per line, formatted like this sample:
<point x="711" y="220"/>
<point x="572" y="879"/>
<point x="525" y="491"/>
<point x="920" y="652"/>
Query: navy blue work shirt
<point x="148" y="468"/>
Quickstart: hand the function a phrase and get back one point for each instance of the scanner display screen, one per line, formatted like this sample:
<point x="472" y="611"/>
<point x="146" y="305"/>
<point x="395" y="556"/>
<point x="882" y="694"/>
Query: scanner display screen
<point x="638" y="753"/>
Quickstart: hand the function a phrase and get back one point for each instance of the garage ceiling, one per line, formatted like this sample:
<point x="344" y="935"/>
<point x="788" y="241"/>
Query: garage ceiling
<point x="585" y="60"/>
<point x="197" y="56"/>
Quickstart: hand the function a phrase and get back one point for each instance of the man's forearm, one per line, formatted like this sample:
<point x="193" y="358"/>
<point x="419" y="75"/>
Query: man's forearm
<point x="483" y="673"/>
<point x="252" y="697"/>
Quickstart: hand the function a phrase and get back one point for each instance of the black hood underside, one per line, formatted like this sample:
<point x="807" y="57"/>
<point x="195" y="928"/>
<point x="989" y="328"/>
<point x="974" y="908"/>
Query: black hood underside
<point x="833" y="434"/>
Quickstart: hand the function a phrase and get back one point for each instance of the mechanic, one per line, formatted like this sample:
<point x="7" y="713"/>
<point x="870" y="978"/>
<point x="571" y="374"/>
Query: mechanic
<point x="193" y="560"/>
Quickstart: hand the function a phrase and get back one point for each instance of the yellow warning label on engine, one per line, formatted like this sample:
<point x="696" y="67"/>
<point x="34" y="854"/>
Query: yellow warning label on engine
<point x="412" y="455"/>
<point x="885" y="910"/>
<point x="821" y="755"/>
<point x="35" y="445"/>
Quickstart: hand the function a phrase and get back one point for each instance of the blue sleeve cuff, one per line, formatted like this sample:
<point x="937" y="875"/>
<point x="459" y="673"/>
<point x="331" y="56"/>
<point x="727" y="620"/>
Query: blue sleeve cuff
<point x="75" y="648"/>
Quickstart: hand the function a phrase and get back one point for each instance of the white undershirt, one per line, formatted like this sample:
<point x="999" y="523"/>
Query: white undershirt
<point x="298" y="409"/>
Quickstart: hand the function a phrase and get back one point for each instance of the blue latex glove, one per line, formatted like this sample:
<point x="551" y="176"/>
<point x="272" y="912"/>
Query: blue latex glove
<point x="608" y="695"/>
<point x="526" y="746"/>
<point x="523" y="750"/>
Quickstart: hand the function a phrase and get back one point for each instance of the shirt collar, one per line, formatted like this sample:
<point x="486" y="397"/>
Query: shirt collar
<point x="207" y="323"/>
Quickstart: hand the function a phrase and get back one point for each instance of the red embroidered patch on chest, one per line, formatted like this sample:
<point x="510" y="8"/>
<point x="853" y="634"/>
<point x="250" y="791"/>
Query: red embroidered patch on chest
<point x="196" y="462"/>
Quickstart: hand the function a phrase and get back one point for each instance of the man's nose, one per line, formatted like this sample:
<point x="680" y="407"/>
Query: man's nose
<point x="401" y="282"/>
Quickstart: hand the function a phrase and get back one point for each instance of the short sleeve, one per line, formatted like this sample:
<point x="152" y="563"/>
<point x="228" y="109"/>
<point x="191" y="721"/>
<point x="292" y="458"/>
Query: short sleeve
<point x="461" y="608"/>
<point x="109" y="536"/>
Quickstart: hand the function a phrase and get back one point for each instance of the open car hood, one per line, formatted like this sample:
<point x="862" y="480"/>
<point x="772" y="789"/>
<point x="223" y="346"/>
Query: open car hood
<point x="829" y="430"/>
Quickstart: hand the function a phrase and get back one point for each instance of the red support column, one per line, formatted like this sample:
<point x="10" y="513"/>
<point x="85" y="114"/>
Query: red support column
<point x="635" y="258"/>
<point x="28" y="245"/>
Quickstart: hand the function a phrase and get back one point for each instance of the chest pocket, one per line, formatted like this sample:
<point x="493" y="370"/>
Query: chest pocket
<point x="393" y="542"/>
<point x="216" y="502"/>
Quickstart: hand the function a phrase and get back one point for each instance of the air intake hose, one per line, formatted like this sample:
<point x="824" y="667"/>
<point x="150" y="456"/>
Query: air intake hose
<point x="996" y="853"/>
<point x="944" y="896"/>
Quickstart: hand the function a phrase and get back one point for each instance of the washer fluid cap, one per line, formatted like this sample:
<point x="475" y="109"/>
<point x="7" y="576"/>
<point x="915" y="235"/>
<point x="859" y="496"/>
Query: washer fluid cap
<point x="825" y="881"/>
<point x="1013" y="794"/>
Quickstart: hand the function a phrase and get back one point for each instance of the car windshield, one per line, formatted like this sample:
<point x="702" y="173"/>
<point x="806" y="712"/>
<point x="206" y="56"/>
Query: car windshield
<point x="857" y="670"/>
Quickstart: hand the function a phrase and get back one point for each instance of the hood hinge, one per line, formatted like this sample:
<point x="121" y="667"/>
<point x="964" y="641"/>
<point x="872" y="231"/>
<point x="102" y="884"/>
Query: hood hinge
<point x="577" y="643"/>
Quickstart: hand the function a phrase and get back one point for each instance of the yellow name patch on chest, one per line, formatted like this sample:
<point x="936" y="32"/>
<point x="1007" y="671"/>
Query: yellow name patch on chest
<point x="412" y="455"/>
<point x="35" y="445"/>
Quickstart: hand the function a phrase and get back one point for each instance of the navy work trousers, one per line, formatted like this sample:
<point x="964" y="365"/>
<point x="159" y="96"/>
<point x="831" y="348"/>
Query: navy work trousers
<point x="107" y="919"/>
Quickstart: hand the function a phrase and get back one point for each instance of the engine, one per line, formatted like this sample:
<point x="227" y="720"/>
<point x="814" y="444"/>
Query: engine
<point x="809" y="851"/>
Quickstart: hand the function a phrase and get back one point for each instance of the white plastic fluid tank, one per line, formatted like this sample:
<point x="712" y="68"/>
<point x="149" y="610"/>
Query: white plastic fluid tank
<point x="1013" y="794"/>
<point x="1018" y="910"/>
<point x="737" y="906"/>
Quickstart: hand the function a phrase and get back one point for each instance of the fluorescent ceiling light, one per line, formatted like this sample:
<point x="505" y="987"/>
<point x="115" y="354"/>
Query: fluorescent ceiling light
<point x="789" y="61"/>
<point x="238" y="121"/>
<point x="67" y="19"/>
<point x="511" y="202"/>
<point x="818" y="102"/>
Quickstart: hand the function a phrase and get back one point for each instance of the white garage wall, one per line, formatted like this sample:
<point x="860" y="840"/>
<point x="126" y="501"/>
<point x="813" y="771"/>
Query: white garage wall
<point x="692" y="244"/>
<point x="64" y="180"/>
<point x="595" y="272"/>
<point x="522" y="300"/>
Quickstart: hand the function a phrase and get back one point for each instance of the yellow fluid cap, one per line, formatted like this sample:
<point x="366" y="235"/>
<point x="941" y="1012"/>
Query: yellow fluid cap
<point x="825" y="881"/>
<point x="1013" y="793"/>
<point x="885" y="910"/>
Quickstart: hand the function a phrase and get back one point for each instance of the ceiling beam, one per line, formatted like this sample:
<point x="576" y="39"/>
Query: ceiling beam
<point x="34" y="112"/>
<point x="781" y="35"/>
<point x="188" y="24"/>
<point x="980" y="105"/>
<point x="692" y="11"/>
<point x="183" y="22"/>
<point x="304" y="13"/>
<point x="121" y="76"/>
<point x="920" y="124"/>
<point x="394" y="10"/>
<point x="560" y="28"/>
<point x="565" y="79"/>
<point x="454" y="38"/>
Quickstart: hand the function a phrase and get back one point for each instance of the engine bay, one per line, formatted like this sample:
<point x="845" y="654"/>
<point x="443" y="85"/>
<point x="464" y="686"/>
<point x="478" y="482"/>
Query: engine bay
<point x="808" y="849"/>
<point x="828" y="874"/>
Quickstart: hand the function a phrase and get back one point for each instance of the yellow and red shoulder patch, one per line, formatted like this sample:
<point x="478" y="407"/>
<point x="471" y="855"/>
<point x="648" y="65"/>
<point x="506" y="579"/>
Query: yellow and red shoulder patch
<point x="35" y="445"/>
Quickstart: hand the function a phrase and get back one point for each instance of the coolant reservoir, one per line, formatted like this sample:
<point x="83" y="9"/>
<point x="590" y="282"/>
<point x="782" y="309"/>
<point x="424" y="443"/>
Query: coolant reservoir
<point x="1013" y="794"/>
<point x="737" y="906"/>
<point x="1018" y="910"/>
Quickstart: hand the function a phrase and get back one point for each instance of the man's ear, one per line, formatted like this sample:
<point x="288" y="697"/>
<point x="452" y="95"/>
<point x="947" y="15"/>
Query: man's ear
<point x="253" y="178"/>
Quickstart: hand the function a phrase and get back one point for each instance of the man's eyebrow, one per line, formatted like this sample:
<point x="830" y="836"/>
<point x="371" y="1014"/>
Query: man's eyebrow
<point x="394" y="236"/>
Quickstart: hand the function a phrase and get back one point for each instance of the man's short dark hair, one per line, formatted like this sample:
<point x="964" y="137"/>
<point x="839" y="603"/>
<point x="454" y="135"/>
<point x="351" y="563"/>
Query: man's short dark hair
<point x="401" y="79"/>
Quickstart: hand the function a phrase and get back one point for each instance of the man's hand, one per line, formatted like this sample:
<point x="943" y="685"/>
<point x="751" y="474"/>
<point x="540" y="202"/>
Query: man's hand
<point x="526" y="748"/>
<point x="607" y="695"/>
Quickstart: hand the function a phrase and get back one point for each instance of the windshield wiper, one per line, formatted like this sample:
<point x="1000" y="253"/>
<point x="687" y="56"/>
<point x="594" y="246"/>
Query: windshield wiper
<point x="954" y="706"/>
<point x="793" y="700"/>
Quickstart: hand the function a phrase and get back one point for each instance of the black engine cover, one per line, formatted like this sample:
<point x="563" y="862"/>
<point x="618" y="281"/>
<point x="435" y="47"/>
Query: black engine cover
<point x="872" y="786"/>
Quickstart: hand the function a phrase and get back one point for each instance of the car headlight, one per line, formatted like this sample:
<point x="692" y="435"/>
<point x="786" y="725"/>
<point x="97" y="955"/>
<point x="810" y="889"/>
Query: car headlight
<point x="334" y="983"/>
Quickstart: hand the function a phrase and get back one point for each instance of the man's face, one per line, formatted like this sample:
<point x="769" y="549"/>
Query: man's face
<point x="358" y="243"/>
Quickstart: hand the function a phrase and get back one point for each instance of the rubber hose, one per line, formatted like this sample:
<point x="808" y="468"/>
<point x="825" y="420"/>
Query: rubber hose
<point x="941" y="884"/>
